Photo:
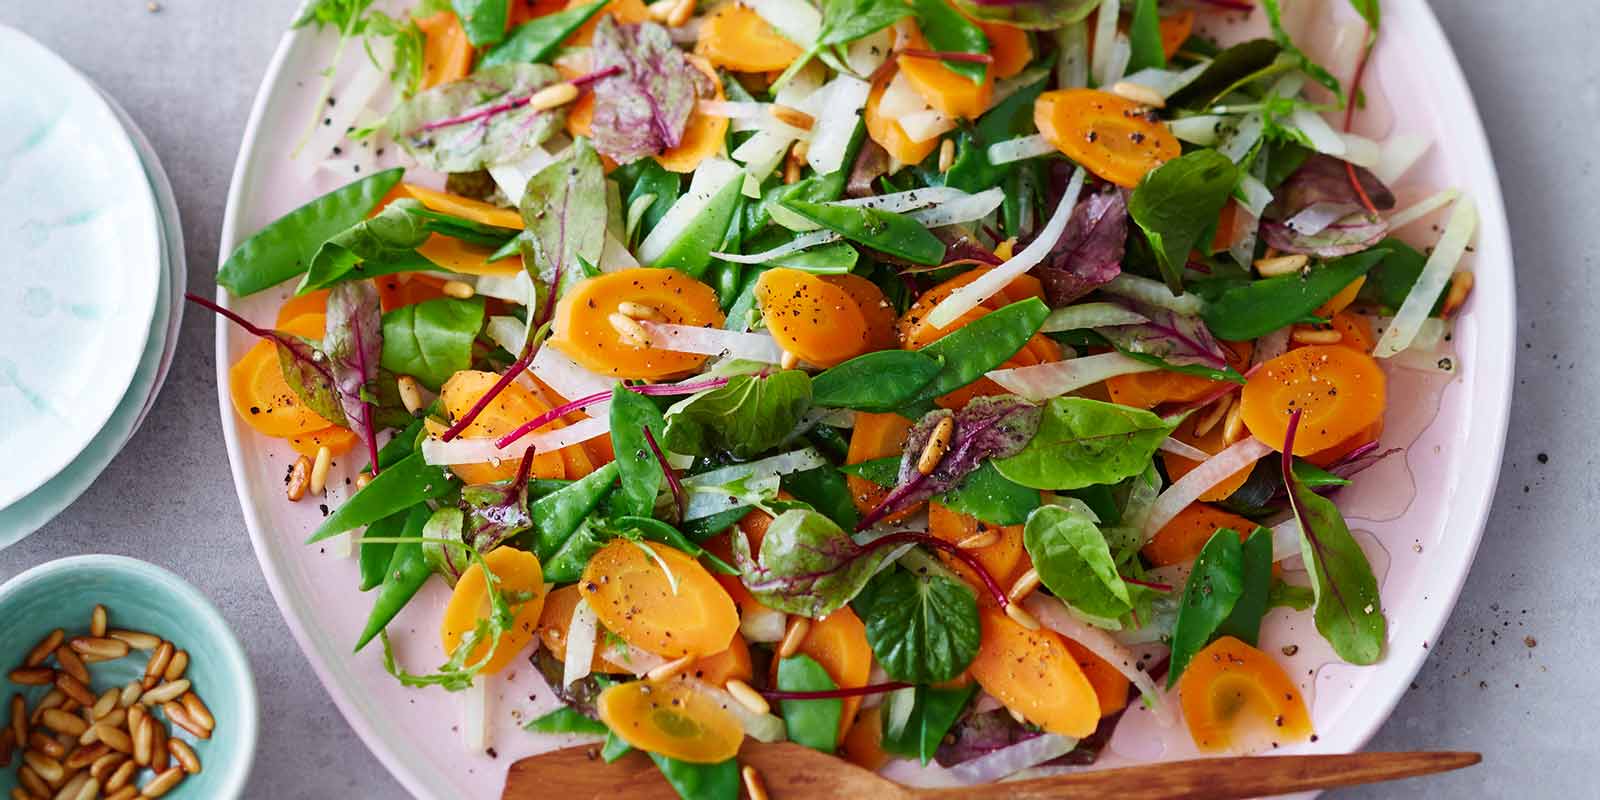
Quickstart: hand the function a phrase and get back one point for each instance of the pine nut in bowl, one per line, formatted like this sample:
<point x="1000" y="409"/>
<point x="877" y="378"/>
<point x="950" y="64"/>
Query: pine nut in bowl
<point x="169" y="704"/>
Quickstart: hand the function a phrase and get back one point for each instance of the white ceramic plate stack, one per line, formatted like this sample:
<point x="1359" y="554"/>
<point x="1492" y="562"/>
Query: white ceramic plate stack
<point x="91" y="282"/>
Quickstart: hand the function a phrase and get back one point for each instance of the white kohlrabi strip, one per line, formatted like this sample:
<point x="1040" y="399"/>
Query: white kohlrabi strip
<point x="570" y="379"/>
<point x="1015" y="758"/>
<point x="760" y="727"/>
<point x="1239" y="141"/>
<point x="516" y="287"/>
<point x="900" y="99"/>
<point x="973" y="294"/>
<point x="1054" y="614"/>
<point x="1155" y="293"/>
<point x="475" y="727"/>
<point x="615" y="256"/>
<point x="761" y="624"/>
<point x="1458" y="232"/>
<point x="713" y="342"/>
<point x="1200" y="129"/>
<point x="1020" y="148"/>
<point x="844" y="97"/>
<point x="484" y="451"/>
<point x="1166" y="82"/>
<point x="795" y="245"/>
<point x="797" y="20"/>
<point x="1053" y="379"/>
<point x="340" y="485"/>
<point x="1247" y="226"/>
<point x="1201" y="479"/>
<point x="1072" y="59"/>
<point x="1406" y="216"/>
<point x="712" y="176"/>
<point x="508" y="332"/>
<point x="513" y="177"/>
<point x="926" y="124"/>
<point x="1105" y="34"/>
<point x="1324" y="139"/>
<point x="771" y="466"/>
<point x="1361" y="151"/>
<point x="582" y="633"/>
<point x="708" y="499"/>
<point x="762" y="153"/>
<point x="865" y="55"/>
<point x="902" y="202"/>
<point x="962" y="209"/>
<point x="1400" y="153"/>
<point x="1090" y="315"/>
<point x="336" y="122"/>
<point x="734" y="109"/>
<point x="1183" y="449"/>
<point x="1253" y="194"/>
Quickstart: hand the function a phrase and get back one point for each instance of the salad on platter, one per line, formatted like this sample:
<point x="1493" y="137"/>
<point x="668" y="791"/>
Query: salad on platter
<point x="935" y="383"/>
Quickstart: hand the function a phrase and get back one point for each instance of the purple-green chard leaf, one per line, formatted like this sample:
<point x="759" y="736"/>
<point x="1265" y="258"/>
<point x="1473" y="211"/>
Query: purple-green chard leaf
<point x="1089" y="253"/>
<point x="353" y="344"/>
<point x="643" y="109"/>
<point x="807" y="565"/>
<point x="564" y="209"/>
<point x="479" y="121"/>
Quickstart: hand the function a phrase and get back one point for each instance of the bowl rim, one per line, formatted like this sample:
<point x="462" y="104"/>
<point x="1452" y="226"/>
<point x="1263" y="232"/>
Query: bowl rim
<point x="227" y="644"/>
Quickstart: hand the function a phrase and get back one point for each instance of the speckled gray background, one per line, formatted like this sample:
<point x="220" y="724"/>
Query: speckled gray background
<point x="1510" y="676"/>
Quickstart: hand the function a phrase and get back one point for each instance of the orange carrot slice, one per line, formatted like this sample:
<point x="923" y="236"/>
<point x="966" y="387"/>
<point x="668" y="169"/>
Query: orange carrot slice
<point x="1340" y="390"/>
<point x="625" y="12"/>
<point x="465" y="207"/>
<point x="446" y="52"/>
<point x="585" y="332"/>
<point x="1005" y="559"/>
<point x="315" y="302"/>
<point x="705" y="134"/>
<point x="887" y="131"/>
<point x="863" y="743"/>
<point x="838" y="642"/>
<point x="510" y="408"/>
<point x="408" y="288"/>
<point x="817" y="321"/>
<point x="953" y="94"/>
<point x="1175" y="30"/>
<point x="671" y="616"/>
<point x="875" y="436"/>
<point x="737" y="38"/>
<point x="672" y="719"/>
<point x="719" y="668"/>
<point x="554" y="621"/>
<point x="1149" y="389"/>
<point x="1110" y="686"/>
<point x="1033" y="674"/>
<point x="260" y="395"/>
<point x="1342" y="300"/>
<point x="338" y="441"/>
<point x="875" y="309"/>
<point x="518" y="574"/>
<point x="1236" y="697"/>
<point x="1009" y="47"/>
<point x="1114" y="138"/>
<point x="1180" y="541"/>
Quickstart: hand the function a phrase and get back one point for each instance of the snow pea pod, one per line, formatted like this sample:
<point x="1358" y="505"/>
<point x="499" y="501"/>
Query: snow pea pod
<point x="535" y="41"/>
<point x="285" y="248"/>
<point x="409" y="482"/>
<point x="885" y="231"/>
<point x="483" y="20"/>
<point x="567" y="562"/>
<point x="406" y="572"/>
<point x="1260" y="307"/>
<point x="556" y="516"/>
<point x="719" y="781"/>
<point x="375" y="556"/>
<point x="982" y="345"/>
<point x="641" y="474"/>
<point x="691" y="251"/>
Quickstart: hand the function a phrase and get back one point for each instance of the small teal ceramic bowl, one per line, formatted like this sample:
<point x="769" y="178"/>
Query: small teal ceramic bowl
<point x="143" y="597"/>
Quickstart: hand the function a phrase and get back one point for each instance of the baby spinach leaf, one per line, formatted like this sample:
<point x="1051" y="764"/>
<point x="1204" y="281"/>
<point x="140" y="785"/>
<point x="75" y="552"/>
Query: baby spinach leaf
<point x="879" y="381"/>
<point x="431" y="340"/>
<point x="824" y="489"/>
<point x="1231" y="69"/>
<point x="641" y="474"/>
<point x="948" y="31"/>
<point x="479" y="121"/>
<point x="572" y="555"/>
<point x="1288" y="595"/>
<point x="1177" y="202"/>
<point x="483" y="20"/>
<point x="807" y="565"/>
<point x="1074" y="561"/>
<point x="564" y="211"/>
<point x="1225" y="573"/>
<point x="885" y="231"/>
<point x="813" y="723"/>
<point x="556" y="516"/>
<point x="921" y="629"/>
<point x="991" y="497"/>
<point x="285" y="248"/>
<point x="845" y="21"/>
<point x="380" y="245"/>
<point x="744" y="417"/>
<point x="934" y="712"/>
<point x="537" y="40"/>
<point x="1348" y="610"/>
<point x="1039" y="15"/>
<point x="1260" y="307"/>
<point x="719" y="781"/>
<point x="644" y="109"/>
<point x="1144" y="33"/>
<point x="1082" y="442"/>
<point x="982" y="345"/>
<point x="566" y="720"/>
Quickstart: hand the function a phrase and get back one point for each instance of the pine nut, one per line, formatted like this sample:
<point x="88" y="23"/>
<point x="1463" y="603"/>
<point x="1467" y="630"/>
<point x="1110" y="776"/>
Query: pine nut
<point x="1017" y="715"/>
<point x="99" y="648"/>
<point x="1460" y="288"/>
<point x="74" y="690"/>
<point x="752" y="783"/>
<point x="52" y="699"/>
<point x="159" y="660"/>
<point x="795" y="636"/>
<point x="671" y="669"/>
<point x="410" y="394"/>
<point x="552" y="96"/>
<point x="39" y="742"/>
<point x="1024" y="586"/>
<point x="8" y="745"/>
<point x="1021" y="616"/>
<point x="1139" y="93"/>
<point x="106" y="764"/>
<point x="638" y="310"/>
<point x="84" y="756"/>
<point x="104" y="705"/>
<point x="44" y="648"/>
<point x="1304" y="335"/>
<point x="800" y="151"/>
<point x="97" y="621"/>
<point x="299" y="479"/>
<point x="73" y="666"/>
<point x="788" y="360"/>
<point x="88" y="789"/>
<point x="128" y="792"/>
<point x="198" y="710"/>
<point x="632" y="333"/>
<point x="130" y="695"/>
<point x="938" y="443"/>
<point x="319" y="470"/>
<point x="1281" y="265"/>
<point x="32" y="676"/>
<point x="19" y="793"/>
<point x="114" y="738"/>
<point x="136" y="717"/>
<point x="159" y="757"/>
<point x="791" y="172"/>
<point x="460" y="290"/>
<point x="138" y="640"/>
<point x="362" y="480"/>
<point x="171" y="690"/>
<point x="747" y="696"/>
<point x="31" y="781"/>
<point x="144" y="740"/>
<point x="180" y="716"/>
<point x="662" y="9"/>
<point x="185" y="756"/>
<point x="947" y="155"/>
<point x="123" y="776"/>
<point x="1233" y="426"/>
<point x="1214" y="415"/>
<point x="115" y="719"/>
<point x="61" y="722"/>
<point x="19" y="720"/>
<point x="163" y="783"/>
<point x="792" y="116"/>
<point x="46" y="767"/>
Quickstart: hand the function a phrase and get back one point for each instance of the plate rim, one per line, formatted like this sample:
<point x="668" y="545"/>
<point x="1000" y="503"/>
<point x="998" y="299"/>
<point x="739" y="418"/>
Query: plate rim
<point x="1489" y="415"/>
<point x="121" y="372"/>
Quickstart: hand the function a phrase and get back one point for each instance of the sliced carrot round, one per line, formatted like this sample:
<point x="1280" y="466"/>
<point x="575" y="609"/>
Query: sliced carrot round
<point x="1114" y="138"/>
<point x="887" y="131"/>
<point x="1180" y="541"/>
<point x="1212" y="442"/>
<point x="1033" y="674"/>
<point x="465" y="207"/>
<point x="261" y="396"/>
<point x="1355" y="331"/>
<point x="816" y="320"/>
<point x="875" y="309"/>
<point x="838" y="642"/>
<point x="1009" y="47"/>
<point x="1005" y="558"/>
<point x="1342" y="300"/>
<point x="719" y="668"/>
<point x="672" y="719"/>
<point x="875" y="436"/>
<point x="1110" y="686"/>
<point x="1361" y="438"/>
<point x="736" y="37"/>
<point x="1237" y="698"/>
<point x="1175" y="30"/>
<point x="705" y="134"/>
<point x="863" y="743"/>
<point x="625" y="12"/>
<point x="953" y="94"/>
<point x="518" y="577"/>
<point x="510" y="408"/>
<point x="315" y="302"/>
<point x="526" y="10"/>
<point x="446" y="51"/>
<point x="686" y="612"/>
<point x="1149" y="389"/>
<point x="584" y="329"/>
<point x="338" y="441"/>
<point x="1340" y="391"/>
<point x="556" y="620"/>
<point x="407" y="288"/>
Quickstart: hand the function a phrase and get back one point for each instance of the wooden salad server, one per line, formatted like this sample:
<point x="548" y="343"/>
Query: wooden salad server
<point x="792" y="771"/>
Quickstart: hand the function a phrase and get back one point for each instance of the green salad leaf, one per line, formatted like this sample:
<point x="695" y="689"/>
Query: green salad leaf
<point x="921" y="629"/>
<point x="745" y="417"/>
<point x="813" y="723"/>
<point x="1226" y="595"/>
<point x="1177" y="203"/>
<point x="807" y="565"/>
<point x="536" y="40"/>
<point x="1082" y="442"/>
<point x="431" y="340"/>
<point x="631" y="414"/>
<point x="1074" y="561"/>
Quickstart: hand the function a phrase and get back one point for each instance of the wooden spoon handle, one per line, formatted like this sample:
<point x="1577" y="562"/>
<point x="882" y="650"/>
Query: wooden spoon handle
<point x="1222" y="778"/>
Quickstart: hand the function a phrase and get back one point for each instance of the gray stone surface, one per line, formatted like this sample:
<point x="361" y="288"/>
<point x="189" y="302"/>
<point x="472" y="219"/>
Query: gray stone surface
<point x="188" y="73"/>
